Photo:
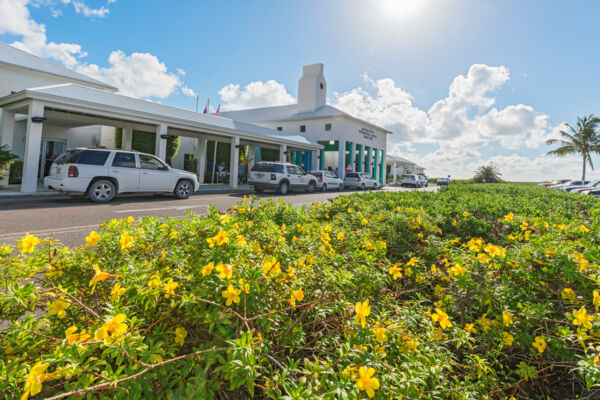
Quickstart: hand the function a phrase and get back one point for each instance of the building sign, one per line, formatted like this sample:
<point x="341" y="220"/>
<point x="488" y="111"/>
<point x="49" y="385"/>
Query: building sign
<point x="368" y="133"/>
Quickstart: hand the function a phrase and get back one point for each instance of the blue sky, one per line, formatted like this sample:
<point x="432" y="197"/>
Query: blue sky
<point x="527" y="66"/>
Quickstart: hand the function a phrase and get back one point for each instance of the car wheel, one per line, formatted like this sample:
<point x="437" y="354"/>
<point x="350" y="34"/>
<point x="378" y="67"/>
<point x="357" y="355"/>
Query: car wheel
<point x="258" y="190"/>
<point x="324" y="187"/>
<point x="362" y="186"/>
<point x="183" y="189"/>
<point x="311" y="187"/>
<point x="101" y="191"/>
<point x="340" y="188"/>
<point x="284" y="188"/>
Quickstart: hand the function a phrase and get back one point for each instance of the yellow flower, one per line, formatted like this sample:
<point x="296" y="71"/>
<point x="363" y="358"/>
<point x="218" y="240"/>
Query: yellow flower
<point x="126" y="241"/>
<point x="112" y="330"/>
<point x="180" y="335"/>
<point x="92" y="239"/>
<point x="470" y="328"/>
<point x="364" y="222"/>
<point x="539" y="343"/>
<point x="57" y="307"/>
<point x="73" y="337"/>
<point x="362" y="312"/>
<point x="475" y="244"/>
<point x="220" y="239"/>
<point x="130" y="220"/>
<point x="271" y="267"/>
<point x="485" y="323"/>
<point x="207" y="269"/>
<point x="508" y="338"/>
<point x="442" y="318"/>
<point x="27" y="244"/>
<point x="568" y="294"/>
<point x="174" y="235"/>
<point x="507" y="318"/>
<point x="340" y="236"/>
<point x="170" y="287"/>
<point x="457" y="270"/>
<point x="5" y="249"/>
<point x="380" y="334"/>
<point x="454" y="222"/>
<point x="225" y="271"/>
<point x="482" y="257"/>
<point x="116" y="292"/>
<point x="584" y="229"/>
<point x="240" y="240"/>
<point x="244" y="287"/>
<point x="466" y="214"/>
<point x="596" y="299"/>
<point x="395" y="271"/>
<point x="154" y="283"/>
<point x="100" y="276"/>
<point x="296" y="295"/>
<point x="582" y="319"/>
<point x="508" y="217"/>
<point x="33" y="384"/>
<point x="232" y="295"/>
<point x="366" y="382"/>
<point x="493" y="250"/>
<point x="412" y="262"/>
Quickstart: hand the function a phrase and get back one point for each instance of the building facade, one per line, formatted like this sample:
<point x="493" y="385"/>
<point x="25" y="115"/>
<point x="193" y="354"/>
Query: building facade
<point x="349" y="143"/>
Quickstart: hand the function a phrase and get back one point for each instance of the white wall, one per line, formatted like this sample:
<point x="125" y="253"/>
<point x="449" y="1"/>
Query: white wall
<point x="74" y="137"/>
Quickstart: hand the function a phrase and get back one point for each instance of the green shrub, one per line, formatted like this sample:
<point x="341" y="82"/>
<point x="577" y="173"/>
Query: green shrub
<point x="6" y="159"/>
<point x="16" y="172"/>
<point x="474" y="292"/>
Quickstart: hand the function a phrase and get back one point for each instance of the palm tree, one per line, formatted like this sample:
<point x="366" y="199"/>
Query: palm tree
<point x="487" y="174"/>
<point x="583" y="140"/>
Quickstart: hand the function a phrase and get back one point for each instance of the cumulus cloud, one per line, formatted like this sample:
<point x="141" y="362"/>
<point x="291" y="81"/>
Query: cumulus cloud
<point x="136" y="74"/>
<point x="254" y="95"/>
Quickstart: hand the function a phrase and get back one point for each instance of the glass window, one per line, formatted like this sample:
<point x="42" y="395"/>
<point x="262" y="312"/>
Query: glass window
<point x="91" y="157"/>
<point x="149" y="162"/>
<point x="317" y="174"/>
<point x="67" y="157"/>
<point x="327" y="127"/>
<point x="124" y="160"/>
<point x="299" y="170"/>
<point x="302" y="128"/>
<point x="279" y="128"/>
<point x="291" y="169"/>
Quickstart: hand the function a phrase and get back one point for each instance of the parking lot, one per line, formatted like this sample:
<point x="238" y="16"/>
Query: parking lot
<point x="70" y="220"/>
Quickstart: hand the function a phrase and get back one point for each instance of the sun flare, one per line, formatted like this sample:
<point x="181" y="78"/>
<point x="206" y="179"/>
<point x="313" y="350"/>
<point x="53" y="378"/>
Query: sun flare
<point x="401" y="9"/>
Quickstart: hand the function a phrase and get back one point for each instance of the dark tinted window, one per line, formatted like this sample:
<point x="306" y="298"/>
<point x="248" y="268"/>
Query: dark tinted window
<point x="91" y="157"/>
<point x="279" y="128"/>
<point x="267" y="167"/>
<point x="67" y="157"/>
<point x="327" y="127"/>
<point x="302" y="128"/>
<point x="317" y="174"/>
<point x="351" y="175"/>
<point x="124" y="160"/>
<point x="291" y="169"/>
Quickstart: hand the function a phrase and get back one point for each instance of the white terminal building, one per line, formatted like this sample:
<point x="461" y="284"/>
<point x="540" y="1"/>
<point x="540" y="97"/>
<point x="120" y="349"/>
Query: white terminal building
<point x="349" y="143"/>
<point x="46" y="108"/>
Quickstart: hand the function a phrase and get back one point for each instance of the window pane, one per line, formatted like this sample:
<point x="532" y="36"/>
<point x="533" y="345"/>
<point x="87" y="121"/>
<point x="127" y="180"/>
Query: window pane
<point x="149" y="162"/>
<point x="291" y="169"/>
<point x="90" y="157"/>
<point x="299" y="171"/>
<point x="327" y="127"/>
<point x="124" y="160"/>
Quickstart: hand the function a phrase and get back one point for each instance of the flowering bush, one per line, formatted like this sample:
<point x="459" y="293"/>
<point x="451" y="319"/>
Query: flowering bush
<point x="487" y="292"/>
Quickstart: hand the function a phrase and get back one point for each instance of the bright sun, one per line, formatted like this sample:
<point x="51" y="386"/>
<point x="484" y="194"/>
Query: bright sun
<point x="401" y="8"/>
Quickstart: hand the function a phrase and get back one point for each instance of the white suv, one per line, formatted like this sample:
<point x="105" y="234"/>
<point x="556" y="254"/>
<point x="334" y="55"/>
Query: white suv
<point x="102" y="173"/>
<point x="410" y="180"/>
<point x="280" y="176"/>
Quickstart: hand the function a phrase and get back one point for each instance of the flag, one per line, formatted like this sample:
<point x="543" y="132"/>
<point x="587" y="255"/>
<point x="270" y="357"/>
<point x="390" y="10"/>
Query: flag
<point x="206" y="107"/>
<point x="218" y="109"/>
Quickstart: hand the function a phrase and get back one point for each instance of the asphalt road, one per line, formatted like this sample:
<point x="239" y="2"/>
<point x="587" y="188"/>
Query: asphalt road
<point x="71" y="220"/>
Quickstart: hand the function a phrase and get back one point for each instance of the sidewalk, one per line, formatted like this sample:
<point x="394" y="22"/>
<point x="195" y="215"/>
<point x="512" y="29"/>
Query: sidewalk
<point x="12" y="192"/>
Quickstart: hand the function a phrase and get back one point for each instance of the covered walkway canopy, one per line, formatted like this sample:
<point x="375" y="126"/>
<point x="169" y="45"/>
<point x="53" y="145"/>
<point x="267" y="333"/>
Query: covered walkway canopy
<point x="401" y="166"/>
<point x="75" y="105"/>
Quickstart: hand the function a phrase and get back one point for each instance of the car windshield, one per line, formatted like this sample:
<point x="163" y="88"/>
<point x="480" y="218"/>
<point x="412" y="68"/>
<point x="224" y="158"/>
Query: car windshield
<point x="267" y="167"/>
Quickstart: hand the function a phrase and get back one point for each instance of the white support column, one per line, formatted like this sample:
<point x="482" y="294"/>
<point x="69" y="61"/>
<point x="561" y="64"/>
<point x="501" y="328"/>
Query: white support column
<point x="282" y="151"/>
<point x="234" y="161"/>
<point x="394" y="173"/>
<point x="369" y="167"/>
<point x="383" y="169"/>
<point x="201" y="154"/>
<point x="7" y="132"/>
<point x="33" y="142"/>
<point x="315" y="159"/>
<point x="160" y="149"/>
<point x="127" y="138"/>
<point x="352" y="156"/>
<point x="341" y="158"/>
<point x="251" y="156"/>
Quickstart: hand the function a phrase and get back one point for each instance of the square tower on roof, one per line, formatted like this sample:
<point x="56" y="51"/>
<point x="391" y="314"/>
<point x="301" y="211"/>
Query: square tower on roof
<point x="312" y="88"/>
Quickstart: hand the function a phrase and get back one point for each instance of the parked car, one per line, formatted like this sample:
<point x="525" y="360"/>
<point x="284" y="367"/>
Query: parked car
<point x="443" y="182"/>
<point x="281" y="177"/>
<point x="424" y="181"/>
<point x="410" y="180"/>
<point x="327" y="180"/>
<point x="103" y="173"/>
<point x="573" y="185"/>
<point x="556" y="182"/>
<point x="586" y="188"/>
<point x="359" y="180"/>
<point x="595" y="192"/>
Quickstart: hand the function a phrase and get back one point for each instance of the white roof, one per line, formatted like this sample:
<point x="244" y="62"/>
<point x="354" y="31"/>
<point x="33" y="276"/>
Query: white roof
<point x="290" y="113"/>
<point x="396" y="159"/>
<point x="10" y="55"/>
<point x="101" y="100"/>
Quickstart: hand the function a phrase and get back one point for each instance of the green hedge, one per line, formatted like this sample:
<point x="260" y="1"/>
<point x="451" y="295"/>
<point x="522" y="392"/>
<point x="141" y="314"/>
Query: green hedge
<point x="145" y="142"/>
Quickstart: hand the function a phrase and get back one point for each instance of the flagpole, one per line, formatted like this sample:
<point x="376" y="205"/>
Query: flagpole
<point x="197" y="98"/>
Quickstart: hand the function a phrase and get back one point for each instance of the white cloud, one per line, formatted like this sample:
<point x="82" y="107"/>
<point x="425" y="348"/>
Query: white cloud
<point x="138" y="75"/>
<point x="188" y="91"/>
<point x="254" y="95"/>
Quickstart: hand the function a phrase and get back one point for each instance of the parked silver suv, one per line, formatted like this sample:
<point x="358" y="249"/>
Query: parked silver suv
<point x="281" y="177"/>
<point x="102" y="173"/>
